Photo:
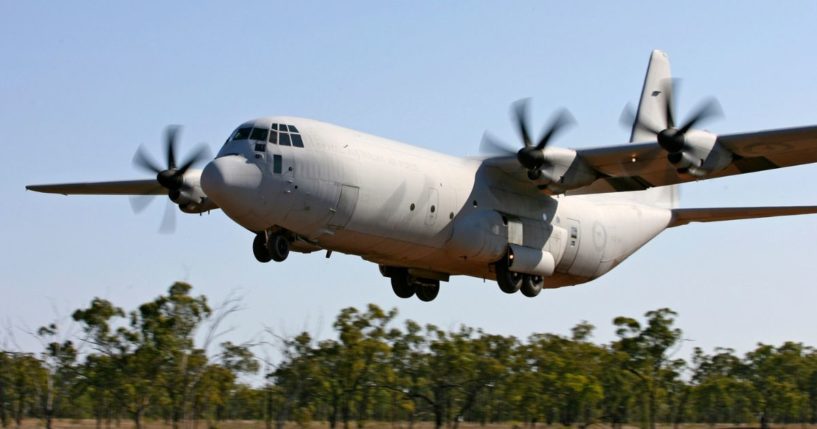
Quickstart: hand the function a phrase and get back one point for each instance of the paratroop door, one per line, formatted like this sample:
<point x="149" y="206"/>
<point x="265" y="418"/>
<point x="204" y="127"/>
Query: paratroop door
<point x="347" y="201"/>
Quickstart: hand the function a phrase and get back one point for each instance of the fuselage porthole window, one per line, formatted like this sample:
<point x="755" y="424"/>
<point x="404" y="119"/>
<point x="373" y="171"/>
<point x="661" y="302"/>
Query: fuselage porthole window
<point x="283" y="139"/>
<point x="242" y="133"/>
<point x="259" y="134"/>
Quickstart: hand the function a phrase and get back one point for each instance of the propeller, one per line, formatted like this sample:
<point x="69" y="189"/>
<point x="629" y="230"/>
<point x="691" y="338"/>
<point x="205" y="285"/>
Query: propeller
<point x="670" y="136"/>
<point x="531" y="156"/>
<point x="170" y="178"/>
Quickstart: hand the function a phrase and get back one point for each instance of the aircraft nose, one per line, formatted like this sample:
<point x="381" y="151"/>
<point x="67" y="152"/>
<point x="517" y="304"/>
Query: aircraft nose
<point x="232" y="183"/>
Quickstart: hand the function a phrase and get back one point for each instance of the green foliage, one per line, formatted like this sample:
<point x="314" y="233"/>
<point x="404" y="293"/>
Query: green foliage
<point x="151" y="363"/>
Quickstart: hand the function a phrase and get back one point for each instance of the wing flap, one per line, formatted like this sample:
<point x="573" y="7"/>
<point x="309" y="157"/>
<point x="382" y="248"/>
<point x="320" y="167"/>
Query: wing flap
<point x="717" y="214"/>
<point x="125" y="187"/>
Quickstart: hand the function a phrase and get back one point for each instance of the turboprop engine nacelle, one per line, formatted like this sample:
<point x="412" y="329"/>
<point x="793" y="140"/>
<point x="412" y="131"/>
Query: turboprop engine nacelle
<point x="191" y="198"/>
<point x="563" y="171"/>
<point x="700" y="154"/>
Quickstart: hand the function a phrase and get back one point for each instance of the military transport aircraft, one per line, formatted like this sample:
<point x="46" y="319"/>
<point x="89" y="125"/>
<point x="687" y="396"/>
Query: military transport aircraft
<point x="539" y="217"/>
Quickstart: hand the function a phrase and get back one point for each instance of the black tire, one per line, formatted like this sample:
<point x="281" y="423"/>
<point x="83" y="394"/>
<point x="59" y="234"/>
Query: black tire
<point x="401" y="284"/>
<point x="259" y="249"/>
<point x="427" y="290"/>
<point x="532" y="285"/>
<point x="278" y="246"/>
<point x="508" y="281"/>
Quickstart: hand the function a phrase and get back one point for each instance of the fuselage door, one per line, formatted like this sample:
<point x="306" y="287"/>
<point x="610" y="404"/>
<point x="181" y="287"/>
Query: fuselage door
<point x="345" y="208"/>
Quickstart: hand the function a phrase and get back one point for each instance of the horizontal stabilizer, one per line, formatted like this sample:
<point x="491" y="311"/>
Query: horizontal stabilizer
<point x="717" y="214"/>
<point x="126" y="187"/>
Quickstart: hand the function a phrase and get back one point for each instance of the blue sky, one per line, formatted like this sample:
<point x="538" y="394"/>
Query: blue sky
<point x="82" y="84"/>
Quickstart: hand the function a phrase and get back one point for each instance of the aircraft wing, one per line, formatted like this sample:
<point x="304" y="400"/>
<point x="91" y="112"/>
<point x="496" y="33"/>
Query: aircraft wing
<point x="757" y="151"/>
<point x="685" y="216"/>
<point x="125" y="187"/>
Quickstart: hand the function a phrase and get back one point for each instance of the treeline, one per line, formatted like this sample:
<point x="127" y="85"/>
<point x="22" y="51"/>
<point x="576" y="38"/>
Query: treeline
<point x="147" y="364"/>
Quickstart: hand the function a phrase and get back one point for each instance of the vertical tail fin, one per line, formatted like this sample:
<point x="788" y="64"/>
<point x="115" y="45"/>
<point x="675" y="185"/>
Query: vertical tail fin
<point x="653" y="99"/>
<point x="651" y="110"/>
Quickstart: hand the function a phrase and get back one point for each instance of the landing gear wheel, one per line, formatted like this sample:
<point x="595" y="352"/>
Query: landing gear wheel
<point x="278" y="247"/>
<point x="509" y="281"/>
<point x="532" y="285"/>
<point x="259" y="248"/>
<point x="427" y="290"/>
<point x="401" y="284"/>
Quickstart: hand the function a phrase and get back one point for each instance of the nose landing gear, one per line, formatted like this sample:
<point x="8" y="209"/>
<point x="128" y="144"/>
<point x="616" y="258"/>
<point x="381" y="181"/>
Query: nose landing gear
<point x="271" y="246"/>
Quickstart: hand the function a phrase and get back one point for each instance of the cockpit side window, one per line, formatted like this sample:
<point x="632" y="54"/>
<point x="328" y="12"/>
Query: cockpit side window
<point x="296" y="139"/>
<point x="242" y="133"/>
<point x="259" y="134"/>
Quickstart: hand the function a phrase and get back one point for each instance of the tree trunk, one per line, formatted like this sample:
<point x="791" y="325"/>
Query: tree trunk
<point x="137" y="419"/>
<point x="652" y="408"/>
<point x="333" y="415"/>
<point x="439" y="416"/>
<point x="344" y="413"/>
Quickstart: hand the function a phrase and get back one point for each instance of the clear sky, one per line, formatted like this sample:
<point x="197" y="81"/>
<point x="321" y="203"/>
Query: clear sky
<point x="82" y="84"/>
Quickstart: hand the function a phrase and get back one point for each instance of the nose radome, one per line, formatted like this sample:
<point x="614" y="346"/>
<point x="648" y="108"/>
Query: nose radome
<point x="232" y="183"/>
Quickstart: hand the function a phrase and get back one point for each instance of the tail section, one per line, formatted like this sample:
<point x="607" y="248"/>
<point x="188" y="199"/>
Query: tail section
<point x="653" y="99"/>
<point x="651" y="110"/>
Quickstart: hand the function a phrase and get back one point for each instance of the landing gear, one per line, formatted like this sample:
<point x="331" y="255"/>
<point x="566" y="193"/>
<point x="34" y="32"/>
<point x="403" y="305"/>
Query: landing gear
<point x="532" y="285"/>
<point x="278" y="245"/>
<point x="509" y="281"/>
<point x="405" y="285"/>
<point x="259" y="248"/>
<point x="427" y="290"/>
<point x="401" y="284"/>
<point x="272" y="247"/>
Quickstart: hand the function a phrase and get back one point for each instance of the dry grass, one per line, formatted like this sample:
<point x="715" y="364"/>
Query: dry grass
<point x="255" y="424"/>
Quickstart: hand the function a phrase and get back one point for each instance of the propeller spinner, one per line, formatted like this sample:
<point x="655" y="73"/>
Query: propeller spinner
<point x="170" y="178"/>
<point x="531" y="156"/>
<point x="671" y="137"/>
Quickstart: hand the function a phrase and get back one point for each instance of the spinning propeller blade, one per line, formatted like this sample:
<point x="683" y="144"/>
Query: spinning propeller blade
<point x="170" y="178"/>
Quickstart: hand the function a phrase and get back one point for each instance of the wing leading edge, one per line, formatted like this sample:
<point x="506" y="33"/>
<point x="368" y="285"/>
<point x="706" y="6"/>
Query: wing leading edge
<point x="125" y="187"/>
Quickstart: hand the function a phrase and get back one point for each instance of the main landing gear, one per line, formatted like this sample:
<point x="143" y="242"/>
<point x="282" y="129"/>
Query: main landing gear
<point x="405" y="285"/>
<point x="271" y="246"/>
<point x="510" y="282"/>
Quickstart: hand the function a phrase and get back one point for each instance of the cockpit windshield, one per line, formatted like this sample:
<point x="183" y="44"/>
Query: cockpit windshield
<point x="280" y="134"/>
<point x="242" y="133"/>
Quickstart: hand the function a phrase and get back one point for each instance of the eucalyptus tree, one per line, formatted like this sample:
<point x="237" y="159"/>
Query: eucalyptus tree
<point x="778" y="375"/>
<point x="649" y="352"/>
<point x="58" y="360"/>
